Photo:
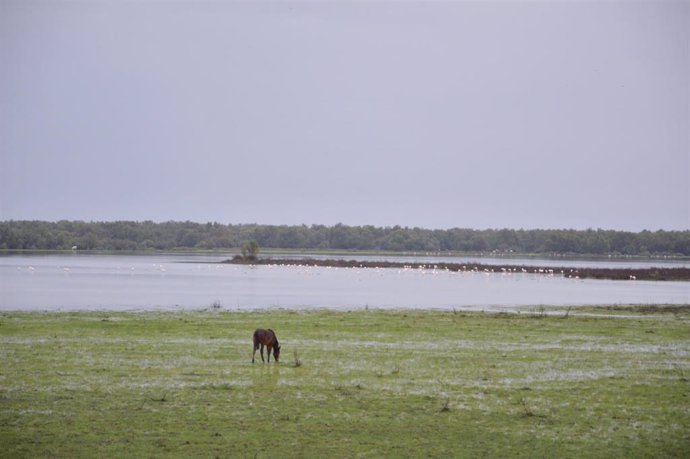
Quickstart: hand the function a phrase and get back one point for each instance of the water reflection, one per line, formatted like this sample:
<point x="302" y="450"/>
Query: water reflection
<point x="73" y="282"/>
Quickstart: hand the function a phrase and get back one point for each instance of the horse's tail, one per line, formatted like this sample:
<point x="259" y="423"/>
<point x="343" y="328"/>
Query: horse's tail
<point x="255" y="338"/>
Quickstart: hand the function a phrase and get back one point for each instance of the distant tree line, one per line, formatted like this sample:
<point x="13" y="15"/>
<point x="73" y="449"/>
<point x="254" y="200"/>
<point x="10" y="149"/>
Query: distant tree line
<point x="147" y="235"/>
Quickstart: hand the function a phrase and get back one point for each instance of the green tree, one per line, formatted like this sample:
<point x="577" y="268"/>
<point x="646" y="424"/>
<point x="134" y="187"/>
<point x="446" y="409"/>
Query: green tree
<point x="250" y="250"/>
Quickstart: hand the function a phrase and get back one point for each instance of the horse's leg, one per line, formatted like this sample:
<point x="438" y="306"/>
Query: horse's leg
<point x="269" y="349"/>
<point x="254" y="352"/>
<point x="262" y="352"/>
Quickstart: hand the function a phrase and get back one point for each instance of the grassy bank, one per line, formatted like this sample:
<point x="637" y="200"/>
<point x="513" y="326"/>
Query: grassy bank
<point x="349" y="384"/>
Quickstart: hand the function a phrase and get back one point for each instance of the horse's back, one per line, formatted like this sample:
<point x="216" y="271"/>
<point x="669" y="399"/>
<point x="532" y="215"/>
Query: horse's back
<point x="264" y="336"/>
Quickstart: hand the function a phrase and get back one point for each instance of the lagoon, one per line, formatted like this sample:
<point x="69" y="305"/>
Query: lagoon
<point x="81" y="281"/>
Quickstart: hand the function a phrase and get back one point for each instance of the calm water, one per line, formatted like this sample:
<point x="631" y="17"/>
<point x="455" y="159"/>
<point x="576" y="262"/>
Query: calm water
<point x="125" y="282"/>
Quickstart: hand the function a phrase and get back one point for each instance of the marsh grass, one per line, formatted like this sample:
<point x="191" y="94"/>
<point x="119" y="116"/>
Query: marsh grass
<point x="369" y="383"/>
<point x="297" y="362"/>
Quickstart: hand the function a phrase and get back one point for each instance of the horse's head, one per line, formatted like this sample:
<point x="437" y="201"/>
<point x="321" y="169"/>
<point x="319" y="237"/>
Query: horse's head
<point x="276" y="352"/>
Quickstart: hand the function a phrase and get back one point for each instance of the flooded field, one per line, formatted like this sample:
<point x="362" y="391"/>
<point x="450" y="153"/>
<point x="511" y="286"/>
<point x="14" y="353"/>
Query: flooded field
<point x="171" y="281"/>
<point x="348" y="384"/>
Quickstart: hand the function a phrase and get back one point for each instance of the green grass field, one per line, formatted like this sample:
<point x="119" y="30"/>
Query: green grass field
<point x="349" y="384"/>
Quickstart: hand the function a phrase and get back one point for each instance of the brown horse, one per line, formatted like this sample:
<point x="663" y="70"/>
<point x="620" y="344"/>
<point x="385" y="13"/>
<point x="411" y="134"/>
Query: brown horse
<point x="266" y="338"/>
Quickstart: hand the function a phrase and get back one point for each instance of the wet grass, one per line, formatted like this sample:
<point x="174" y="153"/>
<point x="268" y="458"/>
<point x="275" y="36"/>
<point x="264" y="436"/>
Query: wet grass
<point x="351" y="384"/>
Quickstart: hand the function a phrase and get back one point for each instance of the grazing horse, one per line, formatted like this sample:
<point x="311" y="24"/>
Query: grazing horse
<point x="266" y="338"/>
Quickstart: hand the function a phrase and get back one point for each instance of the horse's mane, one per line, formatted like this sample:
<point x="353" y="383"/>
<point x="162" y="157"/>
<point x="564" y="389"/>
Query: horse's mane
<point x="274" y="336"/>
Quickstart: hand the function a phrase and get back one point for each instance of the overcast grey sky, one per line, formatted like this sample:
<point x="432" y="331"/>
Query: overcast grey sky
<point x="439" y="115"/>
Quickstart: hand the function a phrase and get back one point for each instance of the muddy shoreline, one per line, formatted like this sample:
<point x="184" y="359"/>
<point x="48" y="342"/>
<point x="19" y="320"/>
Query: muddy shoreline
<point x="654" y="274"/>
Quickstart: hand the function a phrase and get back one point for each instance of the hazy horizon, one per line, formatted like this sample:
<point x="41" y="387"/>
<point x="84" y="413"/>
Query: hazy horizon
<point x="522" y="115"/>
<point x="229" y="223"/>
